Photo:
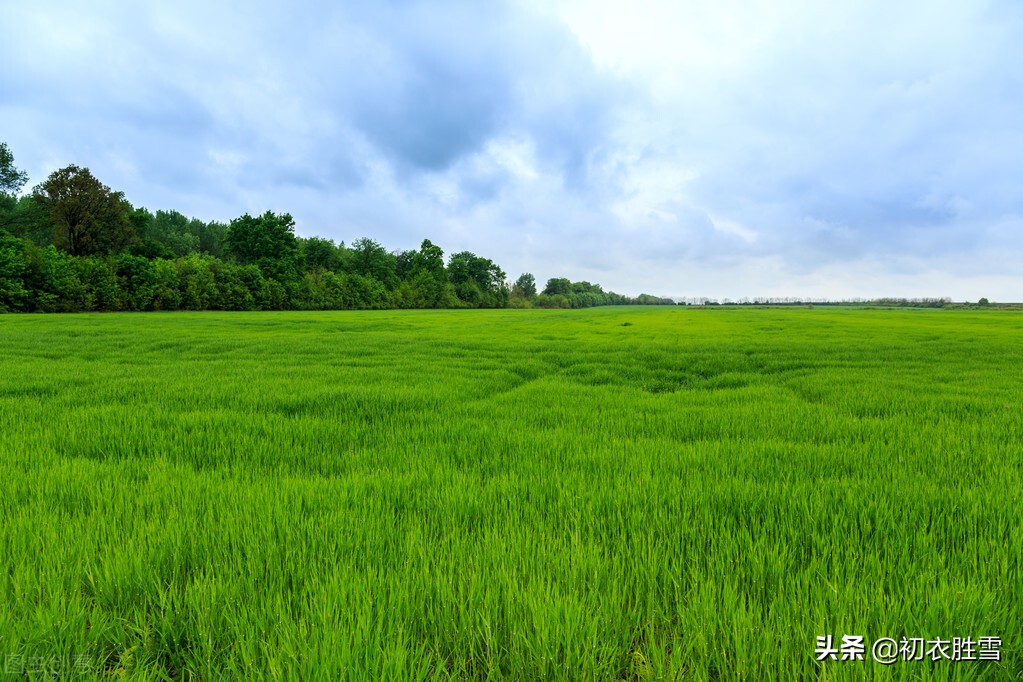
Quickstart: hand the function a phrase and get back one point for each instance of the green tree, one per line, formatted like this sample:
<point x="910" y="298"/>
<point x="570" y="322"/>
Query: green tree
<point x="525" y="286"/>
<point x="429" y="258"/>
<point x="25" y="218"/>
<point x="232" y="285"/>
<point x="138" y="281"/>
<point x="211" y="237"/>
<point x="558" y="285"/>
<point x="370" y="259"/>
<point x="87" y="216"/>
<point x="427" y="280"/>
<point x="268" y="241"/>
<point x="552" y="301"/>
<point x="252" y="277"/>
<point x="13" y="268"/>
<point x="11" y="179"/>
<point x="478" y="281"/>
<point x="319" y="253"/>
<point x="8" y="202"/>
<point x="323" y="290"/>
<point x="167" y="286"/>
<point x="54" y="283"/>
<point x="586" y="288"/>
<point x="198" y="283"/>
<point x="146" y="245"/>
<point x="98" y="278"/>
<point x="366" y="293"/>
<point x="176" y="232"/>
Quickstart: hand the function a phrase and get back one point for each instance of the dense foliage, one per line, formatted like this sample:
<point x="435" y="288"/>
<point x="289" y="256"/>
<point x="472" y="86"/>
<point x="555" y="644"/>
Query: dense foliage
<point x="74" y="244"/>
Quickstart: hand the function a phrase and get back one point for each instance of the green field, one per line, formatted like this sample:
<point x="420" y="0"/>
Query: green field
<point x="608" y="494"/>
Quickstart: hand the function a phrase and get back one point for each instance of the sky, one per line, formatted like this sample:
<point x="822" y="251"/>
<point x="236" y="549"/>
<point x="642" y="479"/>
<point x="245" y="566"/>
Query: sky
<point x="687" y="148"/>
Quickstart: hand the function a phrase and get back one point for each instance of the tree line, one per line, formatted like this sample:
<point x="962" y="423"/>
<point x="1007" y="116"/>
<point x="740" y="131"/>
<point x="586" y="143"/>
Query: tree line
<point x="73" y="244"/>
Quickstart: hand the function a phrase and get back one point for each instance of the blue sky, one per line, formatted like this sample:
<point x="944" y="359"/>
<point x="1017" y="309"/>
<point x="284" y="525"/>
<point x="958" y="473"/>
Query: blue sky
<point x="701" y="148"/>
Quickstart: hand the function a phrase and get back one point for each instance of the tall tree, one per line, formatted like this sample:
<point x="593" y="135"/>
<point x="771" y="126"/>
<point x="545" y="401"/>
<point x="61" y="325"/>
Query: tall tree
<point x="25" y="218"/>
<point x="370" y="259"/>
<point x="319" y="253"/>
<point x="525" y="286"/>
<point x="176" y="232"/>
<point x="268" y="241"/>
<point x="558" y="285"/>
<point x="428" y="280"/>
<point x="13" y="266"/>
<point x="429" y="258"/>
<point x="211" y="237"/>
<point x="87" y="216"/>
<point x="270" y="235"/>
<point x="478" y="281"/>
<point x="11" y="179"/>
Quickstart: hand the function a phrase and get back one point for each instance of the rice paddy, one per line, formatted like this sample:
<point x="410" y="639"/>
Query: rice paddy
<point x="603" y="494"/>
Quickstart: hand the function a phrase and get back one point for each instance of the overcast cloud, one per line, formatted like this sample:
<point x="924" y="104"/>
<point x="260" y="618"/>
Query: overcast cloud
<point x="716" y="148"/>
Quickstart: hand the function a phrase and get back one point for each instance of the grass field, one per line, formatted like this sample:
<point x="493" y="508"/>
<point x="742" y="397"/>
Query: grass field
<point x="605" y="494"/>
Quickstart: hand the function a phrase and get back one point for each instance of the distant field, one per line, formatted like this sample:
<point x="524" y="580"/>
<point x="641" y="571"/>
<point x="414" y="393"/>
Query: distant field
<point x="626" y="493"/>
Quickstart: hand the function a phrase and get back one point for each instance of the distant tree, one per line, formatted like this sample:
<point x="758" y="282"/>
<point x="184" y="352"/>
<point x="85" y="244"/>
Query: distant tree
<point x="11" y="179"/>
<point x="167" y="286"/>
<point x="983" y="301"/>
<point x="586" y="288"/>
<point x="544" y="300"/>
<point x="403" y="264"/>
<point x="251" y="239"/>
<point x="268" y="241"/>
<point x="138" y="280"/>
<point x="54" y="283"/>
<point x="525" y="286"/>
<point x="370" y="259"/>
<point x="231" y="285"/>
<point x="176" y="232"/>
<point x="429" y="258"/>
<point x="86" y="215"/>
<point x="313" y="294"/>
<point x="259" y="287"/>
<point x="478" y="281"/>
<point x="13" y="268"/>
<point x="25" y="218"/>
<point x="73" y="244"/>
<point x="427" y="280"/>
<point x="319" y="253"/>
<point x="99" y="283"/>
<point x="649" y="299"/>
<point x="211" y="238"/>
<point x="558" y="285"/>
<point x="366" y="292"/>
<point x="141" y="220"/>
<point x="198" y="282"/>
